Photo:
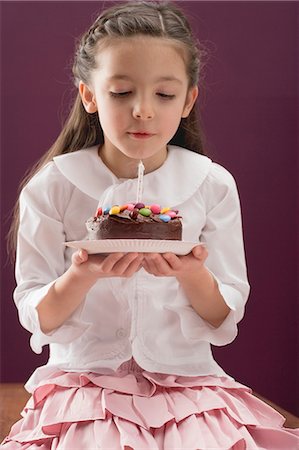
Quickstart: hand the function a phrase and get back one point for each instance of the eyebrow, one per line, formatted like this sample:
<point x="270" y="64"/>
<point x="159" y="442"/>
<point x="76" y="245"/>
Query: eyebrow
<point x="158" y="80"/>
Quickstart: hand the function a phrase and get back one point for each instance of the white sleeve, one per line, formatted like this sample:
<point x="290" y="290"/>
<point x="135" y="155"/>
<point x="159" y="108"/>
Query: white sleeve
<point x="223" y="237"/>
<point x="40" y="256"/>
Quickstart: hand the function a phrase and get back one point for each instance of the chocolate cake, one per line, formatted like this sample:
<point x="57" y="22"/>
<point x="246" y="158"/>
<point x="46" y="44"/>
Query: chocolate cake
<point x="135" y="221"/>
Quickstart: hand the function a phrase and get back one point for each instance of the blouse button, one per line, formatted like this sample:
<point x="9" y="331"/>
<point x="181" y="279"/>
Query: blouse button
<point x="121" y="333"/>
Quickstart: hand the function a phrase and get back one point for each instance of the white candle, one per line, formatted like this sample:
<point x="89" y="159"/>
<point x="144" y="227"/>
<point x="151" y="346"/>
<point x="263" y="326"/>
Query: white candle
<point x="140" y="182"/>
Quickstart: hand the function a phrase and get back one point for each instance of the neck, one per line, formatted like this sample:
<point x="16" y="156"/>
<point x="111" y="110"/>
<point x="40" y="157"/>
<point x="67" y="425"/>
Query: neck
<point x="124" y="167"/>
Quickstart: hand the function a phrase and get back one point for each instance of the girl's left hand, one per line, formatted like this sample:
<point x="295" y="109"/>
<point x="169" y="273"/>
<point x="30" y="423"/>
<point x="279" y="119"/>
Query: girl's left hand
<point x="171" y="265"/>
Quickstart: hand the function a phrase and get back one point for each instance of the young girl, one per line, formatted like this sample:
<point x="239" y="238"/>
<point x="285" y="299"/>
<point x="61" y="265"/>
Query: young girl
<point x="130" y="335"/>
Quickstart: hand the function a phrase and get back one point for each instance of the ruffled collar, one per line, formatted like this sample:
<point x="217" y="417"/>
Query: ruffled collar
<point x="170" y="185"/>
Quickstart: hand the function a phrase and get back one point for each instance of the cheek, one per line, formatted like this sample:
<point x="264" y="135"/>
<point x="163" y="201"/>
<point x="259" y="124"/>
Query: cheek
<point x="172" y="118"/>
<point x="112" y="116"/>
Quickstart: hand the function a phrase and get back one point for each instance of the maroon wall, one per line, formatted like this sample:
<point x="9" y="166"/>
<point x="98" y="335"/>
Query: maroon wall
<point x="249" y="109"/>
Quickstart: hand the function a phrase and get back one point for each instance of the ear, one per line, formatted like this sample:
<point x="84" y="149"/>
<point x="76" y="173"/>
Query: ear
<point x="88" y="99"/>
<point x="190" y="100"/>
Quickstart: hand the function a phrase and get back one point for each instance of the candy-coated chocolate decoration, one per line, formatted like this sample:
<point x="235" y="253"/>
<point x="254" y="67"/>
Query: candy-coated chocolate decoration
<point x="145" y="212"/>
<point x="114" y="210"/>
<point x="99" y="212"/>
<point x="165" y="214"/>
<point x="171" y="213"/>
<point x="134" y="213"/>
<point x="139" y="205"/>
<point x="155" y="209"/>
<point x="164" y="217"/>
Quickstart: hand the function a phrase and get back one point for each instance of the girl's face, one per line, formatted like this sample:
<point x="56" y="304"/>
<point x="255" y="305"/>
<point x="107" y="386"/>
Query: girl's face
<point x="140" y="90"/>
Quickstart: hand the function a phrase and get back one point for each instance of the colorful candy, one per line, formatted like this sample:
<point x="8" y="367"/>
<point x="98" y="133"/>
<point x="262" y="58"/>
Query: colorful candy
<point x="139" y="205"/>
<point x="134" y="213"/>
<point x="171" y="213"/>
<point x="114" y="210"/>
<point x="165" y="217"/>
<point x="145" y="212"/>
<point x="99" y="212"/>
<point x="155" y="209"/>
<point x="164" y="214"/>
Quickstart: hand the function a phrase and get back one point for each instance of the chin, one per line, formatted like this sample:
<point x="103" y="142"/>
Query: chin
<point x="139" y="153"/>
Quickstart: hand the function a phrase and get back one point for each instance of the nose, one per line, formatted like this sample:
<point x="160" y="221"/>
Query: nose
<point x="143" y="110"/>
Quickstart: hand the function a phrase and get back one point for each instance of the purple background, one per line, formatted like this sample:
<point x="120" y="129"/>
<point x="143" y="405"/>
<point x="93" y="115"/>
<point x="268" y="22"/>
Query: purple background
<point x="250" y="115"/>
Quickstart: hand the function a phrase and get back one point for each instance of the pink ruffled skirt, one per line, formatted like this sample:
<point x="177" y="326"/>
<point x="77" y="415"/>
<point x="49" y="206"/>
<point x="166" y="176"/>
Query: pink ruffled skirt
<point x="137" y="409"/>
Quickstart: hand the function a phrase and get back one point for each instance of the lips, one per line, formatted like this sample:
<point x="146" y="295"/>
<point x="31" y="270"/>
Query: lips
<point x="140" y="134"/>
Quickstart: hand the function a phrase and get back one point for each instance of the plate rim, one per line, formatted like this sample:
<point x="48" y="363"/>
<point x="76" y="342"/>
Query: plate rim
<point x="180" y="245"/>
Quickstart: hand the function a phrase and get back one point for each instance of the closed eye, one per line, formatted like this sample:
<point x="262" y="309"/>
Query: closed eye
<point x="165" y="96"/>
<point x="119" y="94"/>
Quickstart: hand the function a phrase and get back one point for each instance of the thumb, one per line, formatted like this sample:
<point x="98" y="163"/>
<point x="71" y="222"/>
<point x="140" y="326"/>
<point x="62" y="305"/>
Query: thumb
<point x="197" y="251"/>
<point x="80" y="257"/>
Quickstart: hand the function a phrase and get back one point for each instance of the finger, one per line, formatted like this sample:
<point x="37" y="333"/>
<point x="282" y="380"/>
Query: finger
<point x="146" y="267"/>
<point x="79" y="257"/>
<point x="118" y="266"/>
<point x="96" y="261"/>
<point x="133" y="267"/>
<point x="199" y="251"/>
<point x="150" y="265"/>
<point x="158" y="264"/>
<point x="106" y="265"/>
<point x="128" y="265"/>
<point x="173" y="260"/>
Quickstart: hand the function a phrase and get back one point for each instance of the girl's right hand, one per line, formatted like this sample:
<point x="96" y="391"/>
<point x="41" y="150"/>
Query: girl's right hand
<point x="70" y="289"/>
<point x="100" y="266"/>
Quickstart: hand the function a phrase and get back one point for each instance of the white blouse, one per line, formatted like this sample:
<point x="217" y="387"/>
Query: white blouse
<point x="144" y="316"/>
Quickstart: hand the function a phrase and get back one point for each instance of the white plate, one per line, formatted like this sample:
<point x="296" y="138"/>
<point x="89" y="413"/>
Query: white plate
<point x="133" y="245"/>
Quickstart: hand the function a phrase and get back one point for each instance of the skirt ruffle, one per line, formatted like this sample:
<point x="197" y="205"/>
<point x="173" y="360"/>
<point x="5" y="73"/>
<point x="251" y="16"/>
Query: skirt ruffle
<point x="142" y="410"/>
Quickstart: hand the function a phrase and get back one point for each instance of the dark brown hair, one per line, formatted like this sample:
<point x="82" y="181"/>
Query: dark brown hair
<point x="81" y="129"/>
